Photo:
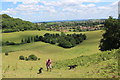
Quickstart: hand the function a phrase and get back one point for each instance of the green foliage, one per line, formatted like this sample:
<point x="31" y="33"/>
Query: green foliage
<point x="21" y="58"/>
<point x="86" y="60"/>
<point x="53" y="41"/>
<point x="38" y="58"/>
<point x="111" y="38"/>
<point x="32" y="57"/>
<point x="6" y="53"/>
<point x="65" y="44"/>
<point x="26" y="59"/>
<point x="63" y="40"/>
<point x="22" y="41"/>
<point x="76" y="24"/>
<point x="10" y="24"/>
<point x="9" y="30"/>
<point x="5" y="16"/>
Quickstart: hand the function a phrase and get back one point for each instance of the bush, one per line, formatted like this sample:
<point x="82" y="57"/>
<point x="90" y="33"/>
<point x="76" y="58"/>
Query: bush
<point x="32" y="57"/>
<point x="38" y="58"/>
<point x="21" y="58"/>
<point x="6" y="54"/>
<point x="26" y="59"/>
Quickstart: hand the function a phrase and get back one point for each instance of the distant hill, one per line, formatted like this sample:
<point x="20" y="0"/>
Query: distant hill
<point x="10" y="24"/>
<point x="79" y="20"/>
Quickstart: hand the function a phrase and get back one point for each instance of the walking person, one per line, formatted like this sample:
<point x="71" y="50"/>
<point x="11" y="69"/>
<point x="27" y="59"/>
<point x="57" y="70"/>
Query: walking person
<point x="48" y="65"/>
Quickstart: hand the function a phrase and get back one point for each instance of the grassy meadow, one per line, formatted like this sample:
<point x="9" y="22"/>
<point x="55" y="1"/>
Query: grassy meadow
<point x="15" y="68"/>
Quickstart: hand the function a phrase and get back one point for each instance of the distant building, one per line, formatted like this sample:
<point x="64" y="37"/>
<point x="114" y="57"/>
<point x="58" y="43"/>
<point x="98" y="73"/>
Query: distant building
<point x="119" y="10"/>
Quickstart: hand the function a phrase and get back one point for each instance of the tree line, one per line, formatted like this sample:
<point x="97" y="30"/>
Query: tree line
<point x="62" y="40"/>
<point x="73" y="23"/>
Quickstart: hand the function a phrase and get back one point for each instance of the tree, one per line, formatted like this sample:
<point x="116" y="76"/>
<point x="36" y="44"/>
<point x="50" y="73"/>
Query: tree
<point x="65" y="44"/>
<point x="53" y="41"/>
<point x="111" y="38"/>
<point x="28" y="40"/>
<point x="22" y="41"/>
<point x="63" y="34"/>
<point x="47" y="34"/>
<point x="73" y="42"/>
<point x="5" y="16"/>
<point x="40" y="38"/>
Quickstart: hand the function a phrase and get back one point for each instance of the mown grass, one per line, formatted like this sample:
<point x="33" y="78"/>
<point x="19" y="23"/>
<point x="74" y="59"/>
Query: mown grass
<point x="17" y="36"/>
<point x="13" y="67"/>
<point x="92" y="40"/>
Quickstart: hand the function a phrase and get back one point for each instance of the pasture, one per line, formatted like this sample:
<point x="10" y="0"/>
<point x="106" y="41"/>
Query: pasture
<point x="15" y="68"/>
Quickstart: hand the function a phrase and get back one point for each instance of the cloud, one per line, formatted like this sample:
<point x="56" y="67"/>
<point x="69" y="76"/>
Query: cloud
<point x="62" y="1"/>
<point x="29" y="9"/>
<point x="23" y="1"/>
<point x="61" y="9"/>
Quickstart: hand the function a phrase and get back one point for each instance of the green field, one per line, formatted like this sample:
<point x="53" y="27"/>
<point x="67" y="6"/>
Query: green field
<point x="13" y="67"/>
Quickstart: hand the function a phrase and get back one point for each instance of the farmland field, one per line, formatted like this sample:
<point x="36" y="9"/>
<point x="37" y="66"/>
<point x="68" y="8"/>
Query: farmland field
<point x="15" y="68"/>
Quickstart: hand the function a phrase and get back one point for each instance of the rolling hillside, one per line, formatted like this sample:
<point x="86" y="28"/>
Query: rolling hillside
<point x="13" y="67"/>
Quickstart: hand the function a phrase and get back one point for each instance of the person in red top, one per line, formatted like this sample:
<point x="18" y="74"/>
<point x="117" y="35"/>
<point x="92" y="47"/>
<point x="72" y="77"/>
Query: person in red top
<point x="48" y="64"/>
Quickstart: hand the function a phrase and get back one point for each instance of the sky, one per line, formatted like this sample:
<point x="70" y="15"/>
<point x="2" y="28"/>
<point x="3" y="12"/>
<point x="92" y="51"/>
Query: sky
<point x="52" y="10"/>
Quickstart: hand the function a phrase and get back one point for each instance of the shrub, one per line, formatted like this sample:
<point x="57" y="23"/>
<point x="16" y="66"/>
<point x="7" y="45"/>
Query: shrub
<point x="26" y="59"/>
<point x="6" y="54"/>
<point x="38" y="58"/>
<point x="32" y="57"/>
<point x="21" y="58"/>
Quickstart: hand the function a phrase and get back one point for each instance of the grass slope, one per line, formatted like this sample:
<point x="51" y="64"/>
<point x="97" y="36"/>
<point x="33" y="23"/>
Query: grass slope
<point x="13" y="67"/>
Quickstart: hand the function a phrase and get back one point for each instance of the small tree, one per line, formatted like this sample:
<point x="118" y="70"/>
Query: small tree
<point x="28" y="40"/>
<point x="22" y="41"/>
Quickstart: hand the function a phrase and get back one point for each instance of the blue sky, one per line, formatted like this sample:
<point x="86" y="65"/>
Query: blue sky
<point x="51" y="10"/>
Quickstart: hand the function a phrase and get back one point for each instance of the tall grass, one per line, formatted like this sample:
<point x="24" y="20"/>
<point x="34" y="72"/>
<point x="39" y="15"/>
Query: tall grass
<point x="87" y="60"/>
